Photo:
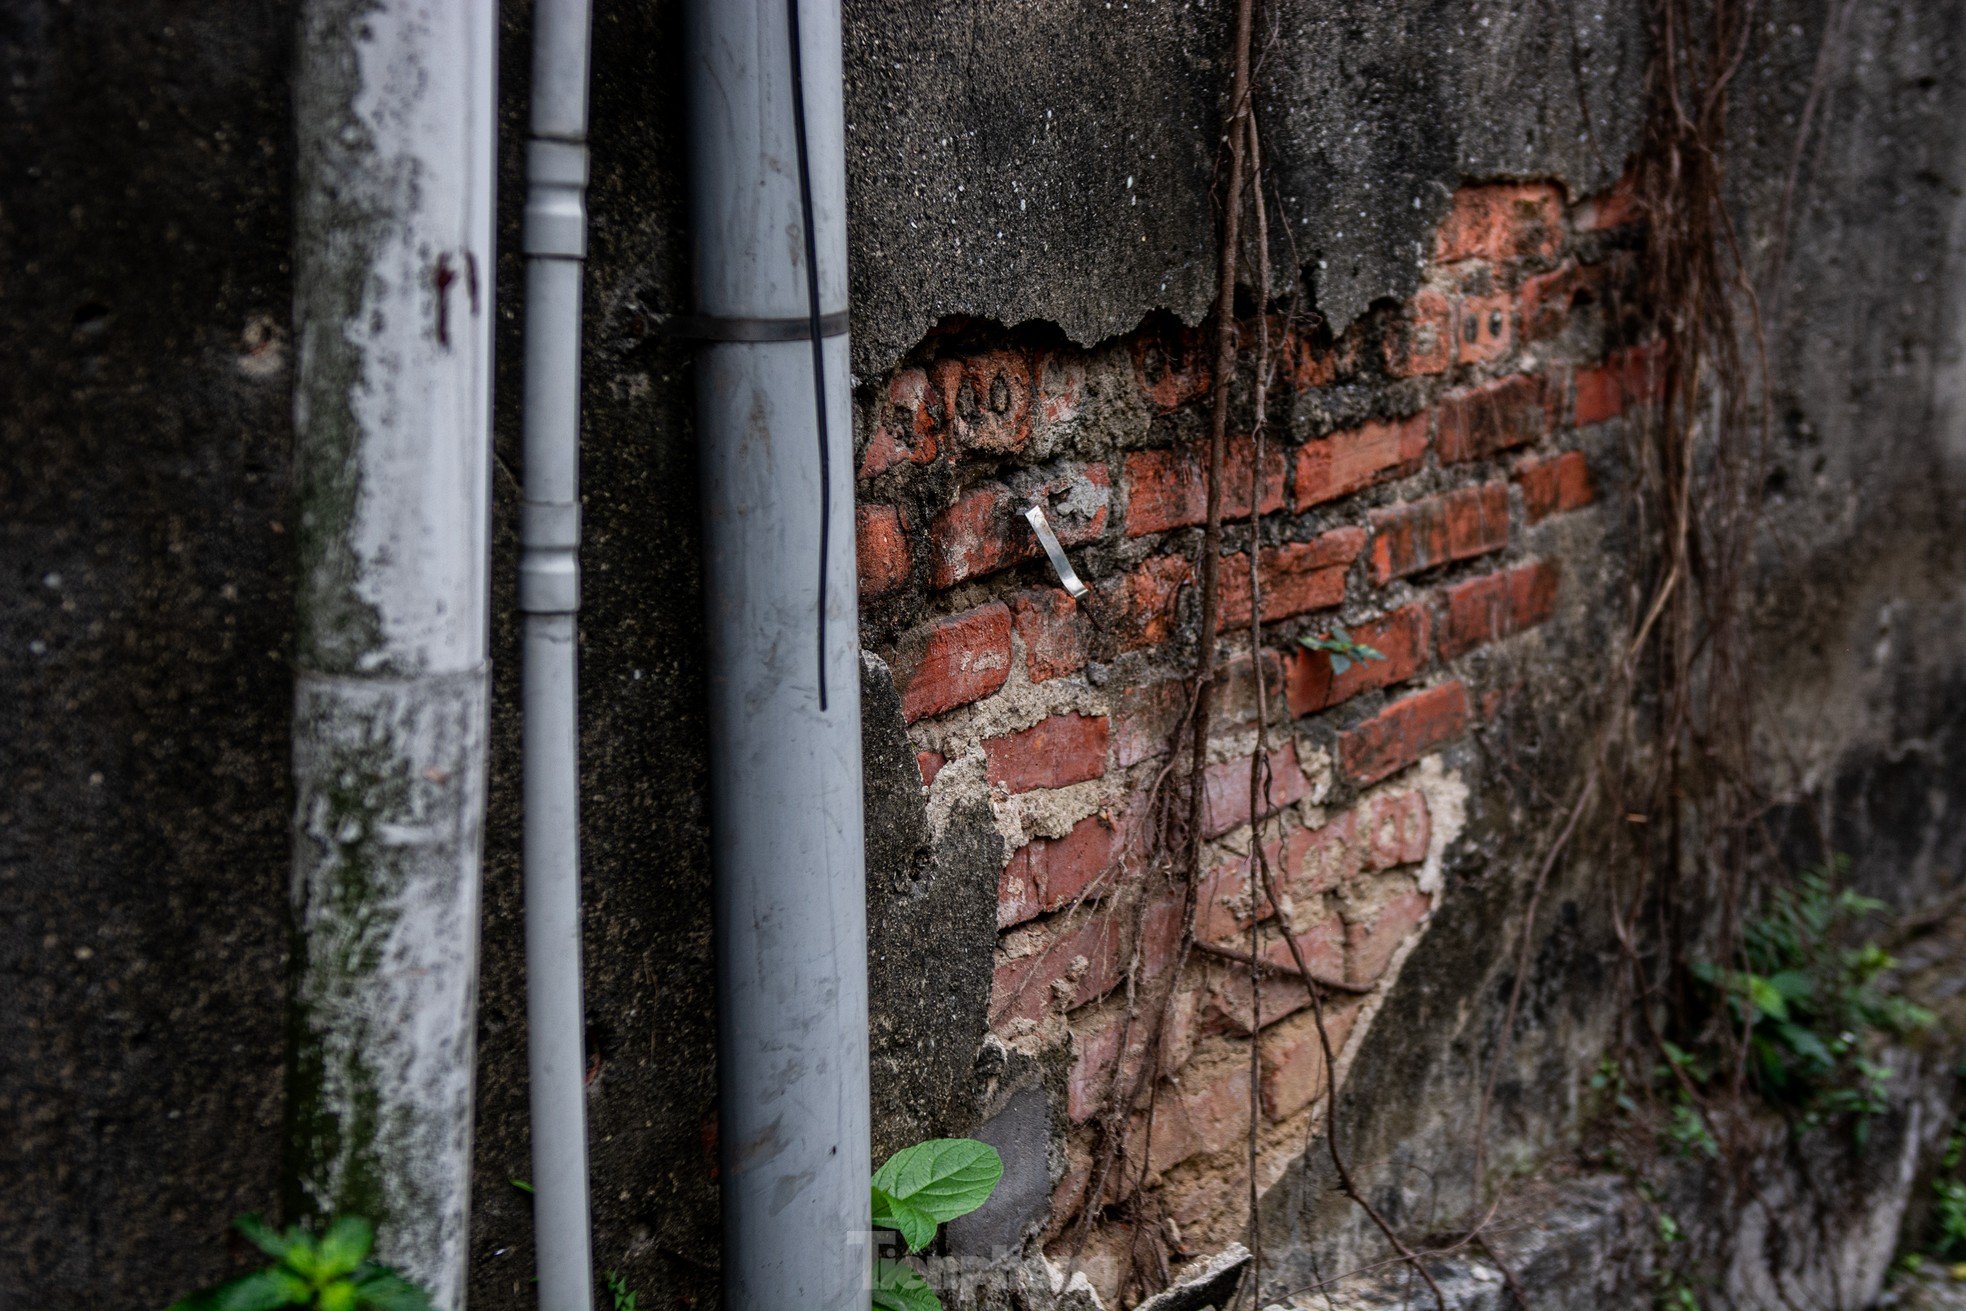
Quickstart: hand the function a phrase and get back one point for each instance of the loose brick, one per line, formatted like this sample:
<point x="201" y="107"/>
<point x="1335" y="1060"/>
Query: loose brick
<point x="1501" y="222"/>
<point x="1047" y="874"/>
<point x="1172" y="364"/>
<point x="1631" y="377"/>
<point x="1071" y="964"/>
<point x="1298" y="577"/>
<point x="1615" y="208"/>
<point x="1487" y="328"/>
<point x="1225" y="790"/>
<point x="954" y="661"/>
<point x="1546" y="301"/>
<point x="1168" y="488"/>
<point x="881" y="549"/>
<point x="985" y="530"/>
<point x="1349" y="461"/>
<point x="1371" y="942"/>
<point x="1401" y="637"/>
<point x="1052" y="753"/>
<point x="989" y="397"/>
<point x="930" y="764"/>
<point x="1293" y="1064"/>
<point x="910" y="427"/>
<point x="1562" y="482"/>
<point x="1478" y="422"/>
<point x="1397" y="829"/>
<point x="1053" y="630"/>
<point x="1142" y="603"/>
<point x="1422" y="341"/>
<point x="1403" y="732"/>
<point x="1420" y="535"/>
<point x="1486" y="609"/>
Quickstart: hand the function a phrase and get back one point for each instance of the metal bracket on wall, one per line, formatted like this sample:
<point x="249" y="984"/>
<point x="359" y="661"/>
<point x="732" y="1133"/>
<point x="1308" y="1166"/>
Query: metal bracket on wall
<point x="1062" y="566"/>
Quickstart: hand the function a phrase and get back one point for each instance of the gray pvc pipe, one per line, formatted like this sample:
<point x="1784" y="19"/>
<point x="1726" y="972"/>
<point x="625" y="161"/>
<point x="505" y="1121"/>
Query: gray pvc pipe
<point x="394" y="120"/>
<point x="785" y="778"/>
<point x="549" y="597"/>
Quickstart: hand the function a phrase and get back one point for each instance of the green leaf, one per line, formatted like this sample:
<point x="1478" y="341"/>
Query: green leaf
<point x="942" y="1178"/>
<point x="521" y="1185"/>
<point x="1765" y="997"/>
<point x="261" y="1235"/>
<point x="1370" y="652"/>
<point x="1794" y="985"/>
<point x="899" y="1288"/>
<point x="382" y="1289"/>
<point x="1339" y="665"/>
<point x="915" y="1226"/>
<point x="264" y="1290"/>
<point x="344" y="1246"/>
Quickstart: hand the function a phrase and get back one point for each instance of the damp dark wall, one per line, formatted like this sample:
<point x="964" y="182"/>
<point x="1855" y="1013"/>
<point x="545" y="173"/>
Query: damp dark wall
<point x="144" y="620"/>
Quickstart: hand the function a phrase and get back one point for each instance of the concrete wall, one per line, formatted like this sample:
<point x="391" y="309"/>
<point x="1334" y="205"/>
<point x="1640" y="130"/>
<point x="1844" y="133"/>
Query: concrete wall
<point x="1030" y="200"/>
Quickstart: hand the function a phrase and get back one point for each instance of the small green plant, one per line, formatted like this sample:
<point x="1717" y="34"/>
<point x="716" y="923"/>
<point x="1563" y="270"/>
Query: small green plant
<point x="920" y="1189"/>
<point x="329" y="1273"/>
<point x="624" y="1296"/>
<point x="1344" y="652"/>
<point x="1807" y="1002"/>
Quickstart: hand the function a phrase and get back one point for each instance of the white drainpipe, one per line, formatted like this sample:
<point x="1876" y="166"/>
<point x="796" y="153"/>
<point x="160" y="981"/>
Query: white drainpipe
<point x="393" y="272"/>
<point x="784" y="650"/>
<point x="549" y="597"/>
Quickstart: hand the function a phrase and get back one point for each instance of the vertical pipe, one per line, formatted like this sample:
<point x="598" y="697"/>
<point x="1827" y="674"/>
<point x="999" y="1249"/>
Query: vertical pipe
<point x="394" y="119"/>
<point x="549" y="598"/>
<point x="785" y="751"/>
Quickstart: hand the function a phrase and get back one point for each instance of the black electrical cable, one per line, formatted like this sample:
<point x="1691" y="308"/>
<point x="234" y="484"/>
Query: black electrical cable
<point x="818" y="342"/>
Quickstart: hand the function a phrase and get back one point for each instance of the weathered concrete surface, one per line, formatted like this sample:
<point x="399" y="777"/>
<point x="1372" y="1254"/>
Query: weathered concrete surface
<point x="144" y="620"/>
<point x="1053" y="162"/>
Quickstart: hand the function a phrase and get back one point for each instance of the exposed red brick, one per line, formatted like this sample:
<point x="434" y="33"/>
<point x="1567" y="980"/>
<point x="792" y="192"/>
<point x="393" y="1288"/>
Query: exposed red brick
<point x="1081" y="960"/>
<point x="1497" y="605"/>
<point x="1403" y="732"/>
<point x="1053" y="631"/>
<point x="1061" y="386"/>
<point x="930" y="764"/>
<point x="1422" y="341"/>
<point x="1223" y="905"/>
<point x="1298" y="577"/>
<point x="1501" y="222"/>
<point x="1052" y="753"/>
<point x="1206" y="1112"/>
<point x="1305" y="365"/>
<point x="1096" y="1053"/>
<point x="1487" y="328"/>
<point x="1144" y="715"/>
<point x="1321" y="860"/>
<point x="1496" y="416"/>
<point x="989" y="400"/>
<point x="1631" y="377"/>
<point x="1168" y="488"/>
<point x="1235" y="690"/>
<point x="1048" y="874"/>
<point x="1419" y="535"/>
<point x="1562" y="482"/>
<point x="985" y="530"/>
<point x="1348" y="461"/>
<point x="1401" y="637"/>
<point x="910" y="427"/>
<point x="954" y="661"/>
<point x="1293" y="1058"/>
<point x="1545" y="302"/>
<point x="881" y="549"/>
<point x="1225" y="789"/>
<point x="1370" y="943"/>
<point x="1321" y="937"/>
<point x="1142" y="602"/>
<point x="1396" y="830"/>
<point x="1172" y="362"/>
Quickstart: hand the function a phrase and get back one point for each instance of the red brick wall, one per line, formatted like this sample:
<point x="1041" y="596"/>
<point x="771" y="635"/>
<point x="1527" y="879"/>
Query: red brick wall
<point x="1416" y="484"/>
